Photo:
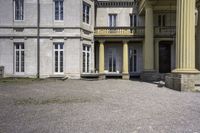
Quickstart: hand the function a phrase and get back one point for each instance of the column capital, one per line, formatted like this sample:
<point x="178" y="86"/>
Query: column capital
<point x="125" y="41"/>
<point x="148" y="4"/>
<point x="101" y="41"/>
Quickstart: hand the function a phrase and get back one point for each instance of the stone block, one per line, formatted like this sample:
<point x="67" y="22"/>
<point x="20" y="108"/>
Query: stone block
<point x="126" y="76"/>
<point x="181" y="82"/>
<point x="149" y="76"/>
<point x="102" y="76"/>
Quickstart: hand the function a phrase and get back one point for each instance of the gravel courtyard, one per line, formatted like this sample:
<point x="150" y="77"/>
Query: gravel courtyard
<point x="104" y="106"/>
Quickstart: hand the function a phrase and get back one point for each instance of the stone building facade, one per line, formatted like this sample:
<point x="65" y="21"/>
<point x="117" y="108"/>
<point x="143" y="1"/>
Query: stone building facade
<point x="99" y="38"/>
<point x="45" y="39"/>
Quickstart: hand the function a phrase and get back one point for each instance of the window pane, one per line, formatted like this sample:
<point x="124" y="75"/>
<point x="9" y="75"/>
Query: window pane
<point x="114" y="64"/>
<point x="22" y="10"/>
<point x="83" y="61"/>
<point x="164" y="20"/>
<point x="86" y="13"/>
<point x="61" y="61"/>
<point x="22" y="61"/>
<point x="61" y="56"/>
<point x="56" y="10"/>
<point x="61" y="46"/>
<point x="56" y="61"/>
<point x="159" y="20"/>
<point x="131" y="20"/>
<point x="88" y="48"/>
<point x="135" y="60"/>
<point x="110" y="60"/>
<point x="131" y="61"/>
<point x="17" y="46"/>
<point x="56" y="46"/>
<point x="88" y="62"/>
<point x="17" y="61"/>
<point x="19" y="7"/>
<point x="61" y="10"/>
<point x="22" y="46"/>
<point x="135" y="20"/>
<point x="88" y="19"/>
<point x="115" y="22"/>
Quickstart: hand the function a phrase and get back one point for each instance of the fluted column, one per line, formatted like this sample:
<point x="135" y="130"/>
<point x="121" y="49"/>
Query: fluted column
<point x="125" y="57"/>
<point x="149" y="39"/>
<point x="185" y="37"/>
<point x="101" y="57"/>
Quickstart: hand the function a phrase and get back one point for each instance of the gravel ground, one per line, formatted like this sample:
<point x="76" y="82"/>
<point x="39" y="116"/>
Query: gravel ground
<point x="105" y="106"/>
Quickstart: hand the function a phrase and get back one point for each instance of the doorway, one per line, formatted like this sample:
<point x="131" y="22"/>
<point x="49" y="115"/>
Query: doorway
<point x="165" y="57"/>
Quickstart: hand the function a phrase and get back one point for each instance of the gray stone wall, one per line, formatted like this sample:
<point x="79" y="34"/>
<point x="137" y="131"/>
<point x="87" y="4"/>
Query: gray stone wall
<point x="73" y="34"/>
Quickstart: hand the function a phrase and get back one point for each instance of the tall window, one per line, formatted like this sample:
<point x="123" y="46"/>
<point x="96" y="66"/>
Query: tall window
<point x="19" y="9"/>
<point x="59" y="54"/>
<point x="86" y="58"/>
<point x="133" y="60"/>
<point x="161" y="20"/>
<point x="19" y="57"/>
<point x="112" y="58"/>
<point x="112" y="20"/>
<point x="58" y="9"/>
<point x="133" y="20"/>
<point x="86" y="13"/>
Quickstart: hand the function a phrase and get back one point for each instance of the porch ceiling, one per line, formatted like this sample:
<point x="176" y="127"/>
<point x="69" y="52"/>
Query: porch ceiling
<point x="164" y="5"/>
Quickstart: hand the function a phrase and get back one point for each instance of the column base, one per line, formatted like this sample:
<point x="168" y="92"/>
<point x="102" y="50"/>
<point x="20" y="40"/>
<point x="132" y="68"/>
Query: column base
<point x="102" y="76"/>
<point x="149" y="76"/>
<point x="186" y="71"/>
<point x="125" y="76"/>
<point x="181" y="82"/>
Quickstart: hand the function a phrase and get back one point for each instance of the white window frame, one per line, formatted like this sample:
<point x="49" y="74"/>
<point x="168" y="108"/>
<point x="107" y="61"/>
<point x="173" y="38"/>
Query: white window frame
<point x="59" y="11"/>
<point x="87" y="66"/>
<point x="85" y="14"/>
<point x="112" y="20"/>
<point x="20" y="50"/>
<point x="59" y="50"/>
<point x="21" y="11"/>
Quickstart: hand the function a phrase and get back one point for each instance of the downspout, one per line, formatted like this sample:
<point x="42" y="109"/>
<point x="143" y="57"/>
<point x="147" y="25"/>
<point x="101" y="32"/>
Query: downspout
<point x="38" y="38"/>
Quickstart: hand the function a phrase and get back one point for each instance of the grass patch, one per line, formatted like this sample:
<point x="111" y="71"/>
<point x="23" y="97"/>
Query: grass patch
<point x="19" y="80"/>
<point x="64" y="100"/>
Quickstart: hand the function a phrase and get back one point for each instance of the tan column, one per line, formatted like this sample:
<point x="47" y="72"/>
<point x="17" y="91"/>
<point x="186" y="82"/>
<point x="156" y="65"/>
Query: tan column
<point x="149" y="40"/>
<point x="125" y="57"/>
<point x="101" y="57"/>
<point x="185" y="37"/>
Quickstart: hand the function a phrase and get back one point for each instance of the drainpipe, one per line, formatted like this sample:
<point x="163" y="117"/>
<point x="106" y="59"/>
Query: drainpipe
<point x="38" y="38"/>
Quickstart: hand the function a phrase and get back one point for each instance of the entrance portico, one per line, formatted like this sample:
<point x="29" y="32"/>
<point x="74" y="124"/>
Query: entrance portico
<point x="119" y="58"/>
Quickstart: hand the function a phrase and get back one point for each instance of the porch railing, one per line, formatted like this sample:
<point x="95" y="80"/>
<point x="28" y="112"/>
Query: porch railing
<point x="165" y="31"/>
<point x="119" y="31"/>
